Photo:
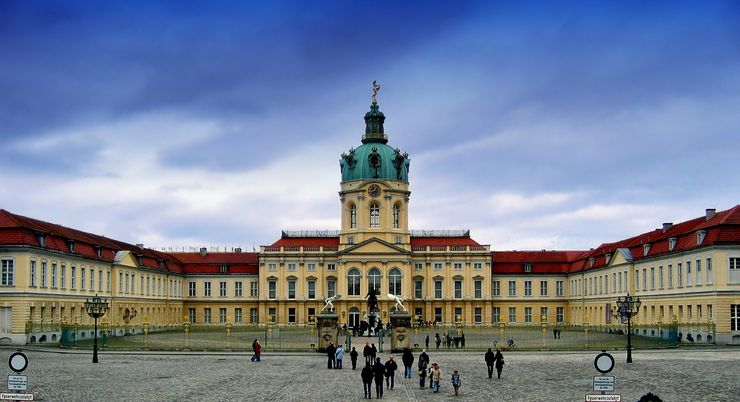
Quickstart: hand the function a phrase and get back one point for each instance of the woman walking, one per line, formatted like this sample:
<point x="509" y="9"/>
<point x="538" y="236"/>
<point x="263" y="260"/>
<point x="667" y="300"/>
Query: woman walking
<point x="499" y="363"/>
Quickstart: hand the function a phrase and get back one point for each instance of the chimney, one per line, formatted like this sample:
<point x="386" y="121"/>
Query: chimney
<point x="203" y="251"/>
<point x="710" y="213"/>
<point x="667" y="226"/>
<point x="238" y="250"/>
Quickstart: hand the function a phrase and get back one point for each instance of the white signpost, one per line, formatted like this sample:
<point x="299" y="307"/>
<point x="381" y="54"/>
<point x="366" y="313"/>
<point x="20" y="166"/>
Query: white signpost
<point x="17" y="382"/>
<point x="604" y="363"/>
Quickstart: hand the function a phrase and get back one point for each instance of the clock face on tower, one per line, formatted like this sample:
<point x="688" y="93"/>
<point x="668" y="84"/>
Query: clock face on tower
<point x="373" y="190"/>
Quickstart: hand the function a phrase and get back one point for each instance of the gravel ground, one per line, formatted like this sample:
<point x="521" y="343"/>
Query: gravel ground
<point x="674" y="375"/>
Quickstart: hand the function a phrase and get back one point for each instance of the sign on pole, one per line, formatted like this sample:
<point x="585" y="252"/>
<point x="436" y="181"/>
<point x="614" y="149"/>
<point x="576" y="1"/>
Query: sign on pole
<point x="604" y="382"/>
<point x="17" y="382"/>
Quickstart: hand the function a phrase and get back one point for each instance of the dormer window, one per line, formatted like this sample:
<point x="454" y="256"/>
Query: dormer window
<point x="140" y="259"/>
<point x="645" y="249"/>
<point x="223" y="268"/>
<point x="527" y="267"/>
<point x="71" y="245"/>
<point x="98" y="251"/>
<point x="672" y="243"/>
<point x="591" y="262"/>
<point x="607" y="257"/>
<point x="41" y="238"/>
<point x="161" y="264"/>
<point x="700" y="235"/>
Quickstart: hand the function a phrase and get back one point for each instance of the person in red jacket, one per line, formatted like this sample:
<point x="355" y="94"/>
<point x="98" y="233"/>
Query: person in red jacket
<point x="257" y="349"/>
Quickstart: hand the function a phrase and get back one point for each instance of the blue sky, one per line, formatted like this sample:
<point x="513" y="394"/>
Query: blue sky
<point x="557" y="125"/>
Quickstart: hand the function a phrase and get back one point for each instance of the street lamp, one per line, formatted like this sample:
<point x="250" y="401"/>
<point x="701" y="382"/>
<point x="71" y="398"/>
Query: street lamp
<point x="627" y="307"/>
<point x="96" y="308"/>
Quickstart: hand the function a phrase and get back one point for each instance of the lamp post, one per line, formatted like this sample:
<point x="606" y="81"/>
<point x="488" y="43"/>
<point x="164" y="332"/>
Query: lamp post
<point x="628" y="307"/>
<point x="96" y="308"/>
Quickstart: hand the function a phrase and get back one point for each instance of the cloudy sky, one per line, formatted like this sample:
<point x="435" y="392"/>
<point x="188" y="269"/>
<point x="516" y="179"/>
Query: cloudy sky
<point x="545" y="125"/>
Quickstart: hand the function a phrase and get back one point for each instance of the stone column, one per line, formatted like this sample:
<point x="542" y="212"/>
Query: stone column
<point x="401" y="331"/>
<point x="326" y="323"/>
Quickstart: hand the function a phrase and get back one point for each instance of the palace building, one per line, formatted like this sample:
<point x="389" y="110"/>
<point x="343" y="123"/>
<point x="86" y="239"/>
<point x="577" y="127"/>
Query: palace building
<point x="687" y="272"/>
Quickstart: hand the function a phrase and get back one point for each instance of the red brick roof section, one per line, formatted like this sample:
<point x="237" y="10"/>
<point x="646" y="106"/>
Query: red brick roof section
<point x="442" y="241"/>
<point x="542" y="262"/>
<point x="238" y="263"/>
<point x="722" y="228"/>
<point x="20" y="230"/>
<point x="307" y="242"/>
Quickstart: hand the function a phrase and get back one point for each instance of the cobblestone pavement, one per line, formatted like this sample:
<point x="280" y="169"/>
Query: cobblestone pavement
<point x="674" y="375"/>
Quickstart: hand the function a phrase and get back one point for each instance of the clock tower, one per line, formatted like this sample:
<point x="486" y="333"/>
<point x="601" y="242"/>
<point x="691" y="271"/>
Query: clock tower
<point x="375" y="188"/>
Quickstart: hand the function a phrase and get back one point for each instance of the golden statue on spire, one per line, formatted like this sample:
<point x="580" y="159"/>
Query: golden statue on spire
<point x="376" y="88"/>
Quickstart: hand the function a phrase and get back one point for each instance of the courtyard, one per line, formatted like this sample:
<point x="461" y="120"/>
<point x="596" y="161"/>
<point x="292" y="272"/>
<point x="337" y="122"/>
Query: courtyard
<point x="701" y="374"/>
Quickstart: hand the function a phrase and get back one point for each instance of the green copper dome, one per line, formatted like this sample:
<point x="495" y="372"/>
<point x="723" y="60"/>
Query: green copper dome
<point x="374" y="159"/>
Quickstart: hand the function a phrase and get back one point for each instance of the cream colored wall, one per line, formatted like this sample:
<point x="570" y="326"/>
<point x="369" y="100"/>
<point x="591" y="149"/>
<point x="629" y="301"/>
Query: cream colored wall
<point x="393" y="192"/>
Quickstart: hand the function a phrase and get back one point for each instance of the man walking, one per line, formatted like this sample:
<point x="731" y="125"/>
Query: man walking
<point x="367" y="380"/>
<point x="367" y="354"/>
<point x="379" y="372"/>
<point x="340" y="356"/>
<point x="408" y="362"/>
<point x="353" y="356"/>
<point x="390" y="372"/>
<point x="490" y="360"/>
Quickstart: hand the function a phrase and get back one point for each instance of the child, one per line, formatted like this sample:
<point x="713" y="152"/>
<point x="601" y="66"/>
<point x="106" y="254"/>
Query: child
<point x="456" y="381"/>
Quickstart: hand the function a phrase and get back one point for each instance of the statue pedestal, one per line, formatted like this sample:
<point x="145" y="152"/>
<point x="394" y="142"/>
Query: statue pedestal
<point x="326" y="324"/>
<point x="400" y="335"/>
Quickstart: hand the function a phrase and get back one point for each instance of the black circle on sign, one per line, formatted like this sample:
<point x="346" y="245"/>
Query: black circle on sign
<point x="18" y="362"/>
<point x="604" y="362"/>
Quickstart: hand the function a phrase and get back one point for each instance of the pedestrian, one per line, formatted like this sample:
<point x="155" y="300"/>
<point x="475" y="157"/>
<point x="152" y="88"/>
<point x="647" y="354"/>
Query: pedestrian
<point x="331" y="351"/>
<point x="422" y="372"/>
<point x="340" y="355"/>
<point x="429" y="376"/>
<point x="449" y="341"/>
<point x="373" y="352"/>
<point x="257" y="349"/>
<point x="426" y="342"/>
<point x="408" y="362"/>
<point x="379" y="372"/>
<point x="424" y="356"/>
<point x="490" y="360"/>
<point x="462" y="340"/>
<point x="499" y="363"/>
<point x="456" y="381"/>
<point x="366" y="353"/>
<point x="436" y="376"/>
<point x="437" y="340"/>
<point x="353" y="356"/>
<point x="367" y="380"/>
<point x="390" y="372"/>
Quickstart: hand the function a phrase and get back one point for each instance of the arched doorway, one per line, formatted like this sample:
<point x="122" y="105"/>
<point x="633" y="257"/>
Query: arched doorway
<point x="354" y="317"/>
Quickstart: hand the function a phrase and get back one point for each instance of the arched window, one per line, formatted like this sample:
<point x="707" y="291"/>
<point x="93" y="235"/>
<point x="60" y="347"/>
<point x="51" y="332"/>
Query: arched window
<point x="396" y="215"/>
<point x="353" y="282"/>
<point x="374" y="215"/>
<point x="373" y="279"/>
<point x="353" y="216"/>
<point x="394" y="281"/>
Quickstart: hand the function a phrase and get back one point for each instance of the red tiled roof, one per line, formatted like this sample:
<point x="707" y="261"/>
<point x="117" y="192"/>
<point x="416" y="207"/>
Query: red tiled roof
<point x="307" y="242"/>
<point x="542" y="262"/>
<point x="722" y="228"/>
<point x="442" y="241"/>
<point x="21" y="230"/>
<point x="238" y="263"/>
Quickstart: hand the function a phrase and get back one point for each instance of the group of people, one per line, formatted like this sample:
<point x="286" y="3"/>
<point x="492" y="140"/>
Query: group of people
<point x="378" y="371"/>
<point x="335" y="355"/>
<point x="449" y="341"/>
<point x="496" y="360"/>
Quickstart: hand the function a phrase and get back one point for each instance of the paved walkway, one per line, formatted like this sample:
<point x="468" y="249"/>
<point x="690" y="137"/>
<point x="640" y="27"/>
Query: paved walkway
<point x="674" y="375"/>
